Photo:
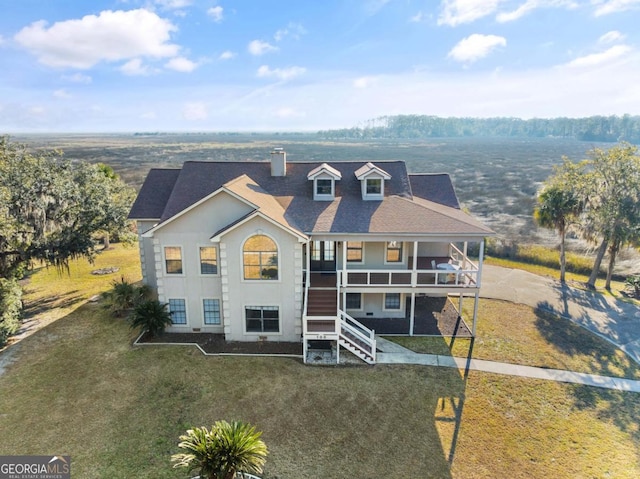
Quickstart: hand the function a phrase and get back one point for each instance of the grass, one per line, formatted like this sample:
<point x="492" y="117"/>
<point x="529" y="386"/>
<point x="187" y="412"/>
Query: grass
<point x="78" y="387"/>
<point x="514" y="333"/>
<point x="51" y="294"/>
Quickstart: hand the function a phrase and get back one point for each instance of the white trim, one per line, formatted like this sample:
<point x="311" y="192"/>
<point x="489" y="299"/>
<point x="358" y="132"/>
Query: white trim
<point x="384" y="302"/>
<point x="258" y="333"/>
<point x="205" y="325"/>
<point x="324" y="168"/>
<point x="164" y="261"/>
<point x="209" y="275"/>
<point x="403" y="252"/>
<point x="259" y="281"/>
<point x="186" y="312"/>
<point x="217" y="238"/>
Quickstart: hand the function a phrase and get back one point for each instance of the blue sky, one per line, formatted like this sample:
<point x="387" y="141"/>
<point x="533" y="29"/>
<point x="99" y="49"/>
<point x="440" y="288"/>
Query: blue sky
<point x="240" y="65"/>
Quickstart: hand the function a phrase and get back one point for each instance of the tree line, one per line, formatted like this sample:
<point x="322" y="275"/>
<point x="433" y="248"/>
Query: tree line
<point x="52" y="211"/>
<point x="599" y="198"/>
<point x="594" y="128"/>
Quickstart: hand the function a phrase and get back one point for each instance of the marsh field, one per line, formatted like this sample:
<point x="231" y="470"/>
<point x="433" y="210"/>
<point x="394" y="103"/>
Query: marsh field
<point x="496" y="179"/>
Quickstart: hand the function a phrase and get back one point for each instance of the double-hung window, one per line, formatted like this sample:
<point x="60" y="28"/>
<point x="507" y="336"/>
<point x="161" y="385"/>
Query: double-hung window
<point x="211" y="311"/>
<point x="354" y="251"/>
<point x="262" y="319"/>
<point x="173" y="259"/>
<point x="178" y="310"/>
<point x="394" y="252"/>
<point x="208" y="260"/>
<point x="392" y="301"/>
<point x="354" y="301"/>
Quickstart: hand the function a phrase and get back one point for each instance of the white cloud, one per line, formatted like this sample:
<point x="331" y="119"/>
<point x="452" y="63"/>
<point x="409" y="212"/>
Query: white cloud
<point x="595" y="59"/>
<point x="78" y="78"/>
<point x="530" y="5"/>
<point x="417" y="18"/>
<point x="281" y="73"/>
<point x="475" y="47"/>
<point x="174" y="4"/>
<point x="258" y="47"/>
<point x="457" y="12"/>
<point x="216" y="13"/>
<point x="110" y="36"/>
<point x="605" y="7"/>
<point x="1" y="40"/>
<point x="62" y="94"/>
<point x="196" y="111"/>
<point x="293" y="30"/>
<point x="134" y="67"/>
<point x="149" y="115"/>
<point x="227" y="55"/>
<point x="611" y="37"/>
<point x="363" y="82"/>
<point x="181" y="64"/>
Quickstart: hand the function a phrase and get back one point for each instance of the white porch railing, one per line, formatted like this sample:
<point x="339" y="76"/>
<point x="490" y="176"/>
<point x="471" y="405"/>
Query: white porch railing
<point x="437" y="278"/>
<point x="356" y="333"/>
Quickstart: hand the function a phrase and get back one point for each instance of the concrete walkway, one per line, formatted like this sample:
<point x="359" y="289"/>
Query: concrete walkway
<point x="392" y="353"/>
<point x="616" y="321"/>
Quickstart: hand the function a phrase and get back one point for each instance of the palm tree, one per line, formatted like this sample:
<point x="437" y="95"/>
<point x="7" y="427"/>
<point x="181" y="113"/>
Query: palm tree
<point x="225" y="451"/>
<point x="124" y="296"/>
<point x="150" y="315"/>
<point x="557" y="207"/>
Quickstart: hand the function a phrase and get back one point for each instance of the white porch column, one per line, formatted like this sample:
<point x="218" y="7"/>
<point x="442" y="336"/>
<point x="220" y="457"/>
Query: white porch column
<point x="475" y="313"/>
<point x="480" y="260"/>
<point x="412" y="313"/>
<point x="464" y="252"/>
<point x="344" y="264"/>
<point x="414" y="273"/>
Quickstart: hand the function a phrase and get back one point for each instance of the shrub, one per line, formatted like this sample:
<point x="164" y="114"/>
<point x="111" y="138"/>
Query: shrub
<point x="150" y="315"/>
<point x="225" y="452"/>
<point x="10" y="308"/>
<point x="634" y="282"/>
<point x="124" y="296"/>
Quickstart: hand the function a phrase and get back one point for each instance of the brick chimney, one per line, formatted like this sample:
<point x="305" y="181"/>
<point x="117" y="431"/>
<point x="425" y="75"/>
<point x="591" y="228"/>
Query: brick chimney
<point x="278" y="162"/>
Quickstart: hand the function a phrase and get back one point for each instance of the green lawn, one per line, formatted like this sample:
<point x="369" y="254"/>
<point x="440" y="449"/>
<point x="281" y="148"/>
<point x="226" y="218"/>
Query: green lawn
<point x="78" y="387"/>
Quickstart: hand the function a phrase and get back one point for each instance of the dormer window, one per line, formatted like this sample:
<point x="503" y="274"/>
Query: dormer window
<point x="324" y="179"/>
<point x="374" y="186"/>
<point x="372" y="179"/>
<point x="324" y="187"/>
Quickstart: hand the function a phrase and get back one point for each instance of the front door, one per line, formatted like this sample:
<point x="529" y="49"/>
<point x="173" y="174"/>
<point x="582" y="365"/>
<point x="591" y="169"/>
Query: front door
<point x="323" y="256"/>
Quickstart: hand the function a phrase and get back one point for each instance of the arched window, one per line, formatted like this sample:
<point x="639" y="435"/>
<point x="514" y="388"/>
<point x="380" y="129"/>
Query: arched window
<point x="260" y="258"/>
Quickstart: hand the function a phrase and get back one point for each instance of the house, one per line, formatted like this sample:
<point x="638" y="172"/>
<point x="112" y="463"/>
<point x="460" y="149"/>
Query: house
<point x="305" y="251"/>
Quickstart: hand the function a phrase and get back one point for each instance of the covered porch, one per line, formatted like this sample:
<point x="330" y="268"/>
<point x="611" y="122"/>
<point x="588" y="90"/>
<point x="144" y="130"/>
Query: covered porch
<point x="433" y="316"/>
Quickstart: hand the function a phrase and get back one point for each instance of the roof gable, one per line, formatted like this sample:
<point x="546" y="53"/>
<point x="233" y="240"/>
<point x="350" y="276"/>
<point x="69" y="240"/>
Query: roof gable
<point x="324" y="168"/>
<point x="370" y="169"/>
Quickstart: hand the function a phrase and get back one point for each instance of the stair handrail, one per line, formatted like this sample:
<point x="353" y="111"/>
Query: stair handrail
<point x="359" y="330"/>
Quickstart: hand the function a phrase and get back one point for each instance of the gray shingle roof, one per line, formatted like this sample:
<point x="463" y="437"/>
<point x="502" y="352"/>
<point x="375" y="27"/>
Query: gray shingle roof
<point x="154" y="194"/>
<point x="412" y="204"/>
<point x="434" y="187"/>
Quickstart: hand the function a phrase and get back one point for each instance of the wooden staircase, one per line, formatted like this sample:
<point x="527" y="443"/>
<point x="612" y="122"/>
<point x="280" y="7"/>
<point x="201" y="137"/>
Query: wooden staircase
<point x="324" y="320"/>
<point x="322" y="302"/>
